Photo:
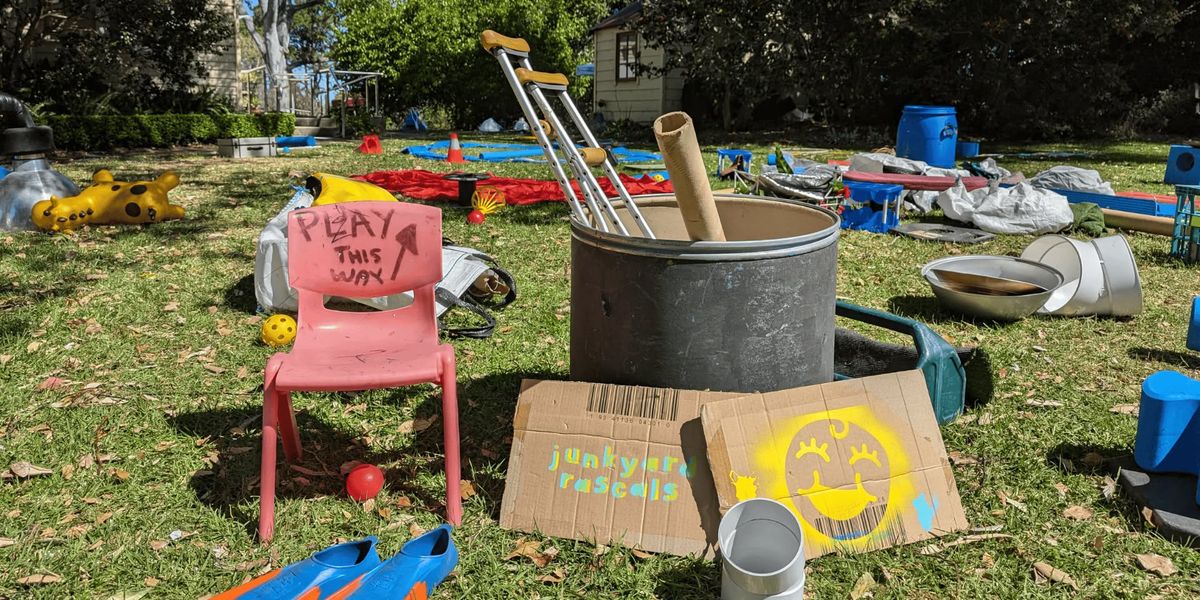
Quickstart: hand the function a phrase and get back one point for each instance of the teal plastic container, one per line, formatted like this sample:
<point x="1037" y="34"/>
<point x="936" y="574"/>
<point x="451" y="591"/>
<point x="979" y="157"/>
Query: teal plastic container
<point x="929" y="134"/>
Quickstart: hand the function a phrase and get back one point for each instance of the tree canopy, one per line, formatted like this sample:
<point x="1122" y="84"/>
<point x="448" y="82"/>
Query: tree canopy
<point x="115" y="55"/>
<point x="1021" y="68"/>
<point x="429" y="51"/>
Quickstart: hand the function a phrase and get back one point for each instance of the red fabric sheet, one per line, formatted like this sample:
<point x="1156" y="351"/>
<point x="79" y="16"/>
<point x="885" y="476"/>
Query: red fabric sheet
<point x="916" y="182"/>
<point x="426" y="185"/>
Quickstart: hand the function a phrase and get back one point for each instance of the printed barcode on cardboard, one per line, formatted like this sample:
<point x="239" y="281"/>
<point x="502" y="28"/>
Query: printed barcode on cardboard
<point x="639" y="402"/>
<point x="863" y="526"/>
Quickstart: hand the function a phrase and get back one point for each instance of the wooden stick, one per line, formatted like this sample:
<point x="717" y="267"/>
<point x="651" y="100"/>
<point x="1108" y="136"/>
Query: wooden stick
<point x="681" y="153"/>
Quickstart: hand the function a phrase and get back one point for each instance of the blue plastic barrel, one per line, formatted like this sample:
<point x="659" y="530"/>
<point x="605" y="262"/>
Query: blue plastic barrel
<point x="929" y="134"/>
<point x="968" y="149"/>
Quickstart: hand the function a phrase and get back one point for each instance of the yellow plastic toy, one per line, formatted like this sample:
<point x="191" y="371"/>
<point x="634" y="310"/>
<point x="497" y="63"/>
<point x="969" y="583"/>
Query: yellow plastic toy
<point x="107" y="201"/>
<point x="278" y="330"/>
<point x="334" y="189"/>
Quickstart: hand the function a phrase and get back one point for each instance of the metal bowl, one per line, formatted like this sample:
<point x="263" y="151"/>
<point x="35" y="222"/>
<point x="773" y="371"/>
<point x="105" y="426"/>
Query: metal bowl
<point x="1000" y="308"/>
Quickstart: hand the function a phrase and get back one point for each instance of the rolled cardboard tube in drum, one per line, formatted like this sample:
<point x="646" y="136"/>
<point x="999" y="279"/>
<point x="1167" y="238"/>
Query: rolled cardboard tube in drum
<point x="1138" y="222"/>
<point x="681" y="153"/>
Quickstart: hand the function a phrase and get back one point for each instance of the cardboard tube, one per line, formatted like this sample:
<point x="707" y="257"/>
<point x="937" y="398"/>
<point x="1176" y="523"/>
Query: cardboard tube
<point x="1136" y="222"/>
<point x="681" y="153"/>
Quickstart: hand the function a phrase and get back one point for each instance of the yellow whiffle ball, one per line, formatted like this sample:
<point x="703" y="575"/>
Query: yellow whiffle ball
<point x="278" y="330"/>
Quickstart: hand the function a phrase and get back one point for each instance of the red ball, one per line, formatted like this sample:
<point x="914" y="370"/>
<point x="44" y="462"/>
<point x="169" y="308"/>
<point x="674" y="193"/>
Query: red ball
<point x="475" y="217"/>
<point x="364" y="482"/>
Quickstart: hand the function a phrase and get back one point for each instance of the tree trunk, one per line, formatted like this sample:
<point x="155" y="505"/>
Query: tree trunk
<point x="275" y="13"/>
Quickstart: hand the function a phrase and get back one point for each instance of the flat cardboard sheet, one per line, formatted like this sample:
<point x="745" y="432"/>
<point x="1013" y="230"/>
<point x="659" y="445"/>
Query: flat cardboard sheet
<point x="861" y="462"/>
<point x="612" y="464"/>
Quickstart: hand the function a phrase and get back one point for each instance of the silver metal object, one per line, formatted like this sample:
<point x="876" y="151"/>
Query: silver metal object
<point x="1001" y="308"/>
<point x="600" y="213"/>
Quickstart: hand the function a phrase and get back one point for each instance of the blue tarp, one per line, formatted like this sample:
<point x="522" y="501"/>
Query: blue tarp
<point x="501" y="152"/>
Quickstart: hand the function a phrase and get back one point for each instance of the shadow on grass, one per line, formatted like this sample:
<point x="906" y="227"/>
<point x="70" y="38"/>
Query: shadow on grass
<point x="1098" y="461"/>
<point x="486" y="407"/>
<point x="693" y="579"/>
<point x="1170" y="357"/>
<point x="927" y="309"/>
<point x="240" y="296"/>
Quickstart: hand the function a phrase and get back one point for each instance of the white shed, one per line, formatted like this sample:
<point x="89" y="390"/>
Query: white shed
<point x="619" y="91"/>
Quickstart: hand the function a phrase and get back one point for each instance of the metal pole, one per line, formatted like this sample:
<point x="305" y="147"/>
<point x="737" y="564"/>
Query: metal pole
<point x="543" y="139"/>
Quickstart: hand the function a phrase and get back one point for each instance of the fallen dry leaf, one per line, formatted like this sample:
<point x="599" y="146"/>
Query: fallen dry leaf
<point x="1110" y="487"/>
<point x="171" y="307"/>
<point x="121" y="474"/>
<point x="959" y="460"/>
<point x="555" y="576"/>
<point x="33" y="347"/>
<point x="1062" y="489"/>
<point x="415" y="530"/>
<point x="1078" y="513"/>
<point x="1148" y="515"/>
<point x="6" y="542"/>
<point x="39" y="579"/>
<point x="151" y="581"/>
<point x="1044" y="572"/>
<point x="243" y="372"/>
<point x="102" y="517"/>
<point x="24" y="469"/>
<point x="1124" y="409"/>
<point x="416" y="425"/>
<point x="1005" y="498"/>
<point x="1157" y="564"/>
<point x="642" y="554"/>
<point x="250" y="565"/>
<point x="214" y="368"/>
<point x="159" y="544"/>
<point x="51" y="383"/>
<point x="862" y="588"/>
<point x="467" y="489"/>
<point x="68" y="471"/>
<point x="530" y="549"/>
<point x="4" y="358"/>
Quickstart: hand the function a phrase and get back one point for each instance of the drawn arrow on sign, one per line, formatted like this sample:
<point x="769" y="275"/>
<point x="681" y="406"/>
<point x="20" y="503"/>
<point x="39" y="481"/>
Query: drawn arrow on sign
<point x="408" y="243"/>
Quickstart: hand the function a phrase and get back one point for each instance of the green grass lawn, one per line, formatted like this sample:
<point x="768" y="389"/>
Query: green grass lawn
<point x="153" y="436"/>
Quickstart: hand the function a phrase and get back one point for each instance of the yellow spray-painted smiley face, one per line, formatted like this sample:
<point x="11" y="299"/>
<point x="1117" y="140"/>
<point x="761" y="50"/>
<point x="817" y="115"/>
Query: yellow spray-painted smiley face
<point x="815" y="451"/>
<point x="844" y="471"/>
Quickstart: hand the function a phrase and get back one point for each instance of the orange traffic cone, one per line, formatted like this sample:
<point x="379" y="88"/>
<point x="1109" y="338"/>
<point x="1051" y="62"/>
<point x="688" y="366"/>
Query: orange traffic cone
<point x="370" y="145"/>
<point x="455" y="154"/>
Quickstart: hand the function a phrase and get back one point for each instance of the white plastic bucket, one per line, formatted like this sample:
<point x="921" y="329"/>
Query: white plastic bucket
<point x="1101" y="275"/>
<point x="1082" y="272"/>
<point x="762" y="552"/>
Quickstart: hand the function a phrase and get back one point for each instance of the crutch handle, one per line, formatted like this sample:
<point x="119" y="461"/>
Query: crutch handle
<point x="526" y="77"/>
<point x="492" y="40"/>
<point x="593" y="157"/>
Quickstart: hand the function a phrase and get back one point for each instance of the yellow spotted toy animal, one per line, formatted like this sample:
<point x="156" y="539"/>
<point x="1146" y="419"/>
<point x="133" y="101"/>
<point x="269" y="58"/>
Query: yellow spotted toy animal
<point x="107" y="202"/>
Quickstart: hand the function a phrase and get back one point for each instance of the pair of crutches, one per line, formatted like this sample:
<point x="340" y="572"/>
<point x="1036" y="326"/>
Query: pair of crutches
<point x="532" y="88"/>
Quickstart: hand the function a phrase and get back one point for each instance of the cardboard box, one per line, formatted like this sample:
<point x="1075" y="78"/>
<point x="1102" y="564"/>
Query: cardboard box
<point x="612" y="464"/>
<point x="861" y="462"/>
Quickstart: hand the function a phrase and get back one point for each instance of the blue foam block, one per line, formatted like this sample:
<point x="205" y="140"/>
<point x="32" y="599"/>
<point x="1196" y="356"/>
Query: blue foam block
<point x="1183" y="166"/>
<point x="1168" y="433"/>
<point x="1193" y="336"/>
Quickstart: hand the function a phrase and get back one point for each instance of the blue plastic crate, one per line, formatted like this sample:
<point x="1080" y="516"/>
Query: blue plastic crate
<point x="1185" y="239"/>
<point x="872" y="206"/>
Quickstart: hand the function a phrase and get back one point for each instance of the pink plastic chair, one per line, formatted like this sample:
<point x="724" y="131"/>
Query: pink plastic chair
<point x="360" y="250"/>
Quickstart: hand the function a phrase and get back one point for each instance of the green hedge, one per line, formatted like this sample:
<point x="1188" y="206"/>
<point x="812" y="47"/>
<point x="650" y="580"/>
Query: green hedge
<point x="79" y="132"/>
